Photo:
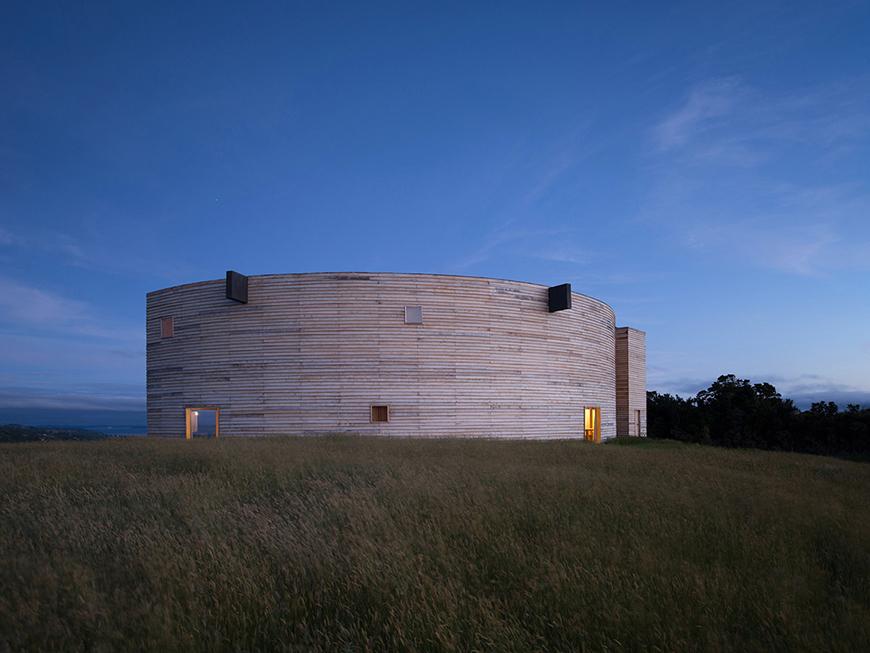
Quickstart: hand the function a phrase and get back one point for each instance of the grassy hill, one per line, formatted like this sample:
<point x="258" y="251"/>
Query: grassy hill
<point x="371" y="544"/>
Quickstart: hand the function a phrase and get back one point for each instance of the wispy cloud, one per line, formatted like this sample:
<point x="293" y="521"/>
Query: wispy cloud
<point x="802" y="247"/>
<point x="804" y="389"/>
<point x="80" y="397"/>
<point x="541" y="170"/>
<point x="56" y="243"/>
<point x="22" y="303"/>
<point x="548" y="168"/>
<point x="683" y="386"/>
<point x="564" y="253"/>
<point x="600" y="278"/>
<point x="556" y="249"/>
<point x="729" y="122"/>
<point x="61" y="247"/>
<point x="6" y="237"/>
<point x="741" y="175"/>
<point x="510" y="238"/>
<point x="25" y="307"/>
<point x="66" y="370"/>
<point x="706" y="103"/>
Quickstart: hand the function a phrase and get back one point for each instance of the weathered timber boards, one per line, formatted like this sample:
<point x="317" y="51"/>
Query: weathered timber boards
<point x="310" y="353"/>
<point x="630" y="381"/>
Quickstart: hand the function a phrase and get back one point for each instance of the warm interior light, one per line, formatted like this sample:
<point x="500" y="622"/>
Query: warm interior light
<point x="591" y="417"/>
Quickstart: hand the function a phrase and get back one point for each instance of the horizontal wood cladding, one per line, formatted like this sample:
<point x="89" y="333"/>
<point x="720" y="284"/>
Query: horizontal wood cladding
<point x="630" y="382"/>
<point x="312" y="353"/>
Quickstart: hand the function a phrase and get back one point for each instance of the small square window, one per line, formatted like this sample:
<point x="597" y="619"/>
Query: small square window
<point x="380" y="413"/>
<point x="413" y="315"/>
<point x="167" y="327"/>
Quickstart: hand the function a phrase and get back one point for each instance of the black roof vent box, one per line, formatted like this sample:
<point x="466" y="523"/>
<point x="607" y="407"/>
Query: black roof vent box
<point x="237" y="287"/>
<point x="559" y="297"/>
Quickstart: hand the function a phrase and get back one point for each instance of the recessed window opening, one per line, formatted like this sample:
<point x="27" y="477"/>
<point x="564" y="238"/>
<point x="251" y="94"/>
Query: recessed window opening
<point x="380" y="414"/>
<point x="592" y="424"/>
<point x="167" y="327"/>
<point x="637" y="422"/>
<point x="202" y="422"/>
<point x="413" y="315"/>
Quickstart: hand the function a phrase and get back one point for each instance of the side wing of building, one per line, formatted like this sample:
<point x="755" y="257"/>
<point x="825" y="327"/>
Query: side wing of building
<point x="630" y="382"/>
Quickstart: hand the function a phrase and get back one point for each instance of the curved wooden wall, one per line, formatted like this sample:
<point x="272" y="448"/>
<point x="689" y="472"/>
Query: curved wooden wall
<point x="310" y="353"/>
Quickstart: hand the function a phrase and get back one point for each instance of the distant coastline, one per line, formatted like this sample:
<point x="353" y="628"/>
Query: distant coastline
<point x="141" y="429"/>
<point x="12" y="433"/>
<point x="111" y="422"/>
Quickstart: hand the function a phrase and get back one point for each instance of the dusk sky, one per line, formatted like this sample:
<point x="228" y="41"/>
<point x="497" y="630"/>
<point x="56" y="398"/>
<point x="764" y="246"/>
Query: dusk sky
<point x="702" y="167"/>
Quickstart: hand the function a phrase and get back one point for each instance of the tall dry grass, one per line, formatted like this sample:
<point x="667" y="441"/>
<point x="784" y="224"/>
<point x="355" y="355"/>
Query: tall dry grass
<point x="366" y="544"/>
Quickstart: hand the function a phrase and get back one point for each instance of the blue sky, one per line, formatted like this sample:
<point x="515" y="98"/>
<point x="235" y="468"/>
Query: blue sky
<point x="703" y="167"/>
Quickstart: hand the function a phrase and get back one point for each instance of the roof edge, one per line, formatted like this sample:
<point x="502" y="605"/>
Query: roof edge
<point x="629" y="328"/>
<point x="348" y="272"/>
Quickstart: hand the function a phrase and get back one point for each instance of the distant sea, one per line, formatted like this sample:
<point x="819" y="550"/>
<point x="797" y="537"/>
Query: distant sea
<point x="111" y="422"/>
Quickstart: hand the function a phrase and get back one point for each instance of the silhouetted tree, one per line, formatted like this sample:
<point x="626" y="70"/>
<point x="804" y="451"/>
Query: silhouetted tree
<point x="733" y="412"/>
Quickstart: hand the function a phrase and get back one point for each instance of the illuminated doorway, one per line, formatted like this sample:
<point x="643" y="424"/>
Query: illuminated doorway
<point x="592" y="424"/>
<point x="202" y="422"/>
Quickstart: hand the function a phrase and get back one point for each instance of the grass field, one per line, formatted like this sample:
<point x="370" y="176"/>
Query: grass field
<point x="371" y="544"/>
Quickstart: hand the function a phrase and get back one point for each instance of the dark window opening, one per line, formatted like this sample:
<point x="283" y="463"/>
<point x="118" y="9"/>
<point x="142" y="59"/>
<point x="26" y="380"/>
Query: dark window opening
<point x="380" y="413"/>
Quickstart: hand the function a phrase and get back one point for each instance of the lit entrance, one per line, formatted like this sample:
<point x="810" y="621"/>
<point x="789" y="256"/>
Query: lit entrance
<point x="202" y="422"/>
<point x="592" y="424"/>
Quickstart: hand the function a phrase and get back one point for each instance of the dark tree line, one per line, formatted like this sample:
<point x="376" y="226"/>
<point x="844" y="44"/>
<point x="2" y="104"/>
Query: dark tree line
<point x="737" y="413"/>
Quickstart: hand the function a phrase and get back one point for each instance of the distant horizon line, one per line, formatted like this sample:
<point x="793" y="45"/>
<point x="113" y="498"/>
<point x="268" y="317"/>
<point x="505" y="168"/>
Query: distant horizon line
<point x="135" y="421"/>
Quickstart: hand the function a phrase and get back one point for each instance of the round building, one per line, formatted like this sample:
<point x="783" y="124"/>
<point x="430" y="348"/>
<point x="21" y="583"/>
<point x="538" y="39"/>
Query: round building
<point x="420" y="355"/>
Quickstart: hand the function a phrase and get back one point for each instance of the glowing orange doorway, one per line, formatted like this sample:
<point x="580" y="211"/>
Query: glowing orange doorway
<point x="592" y="424"/>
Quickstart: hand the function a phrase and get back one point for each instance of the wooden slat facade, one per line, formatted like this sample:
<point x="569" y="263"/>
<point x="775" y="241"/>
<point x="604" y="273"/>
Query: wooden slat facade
<point x="630" y="382"/>
<point x="312" y="353"/>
